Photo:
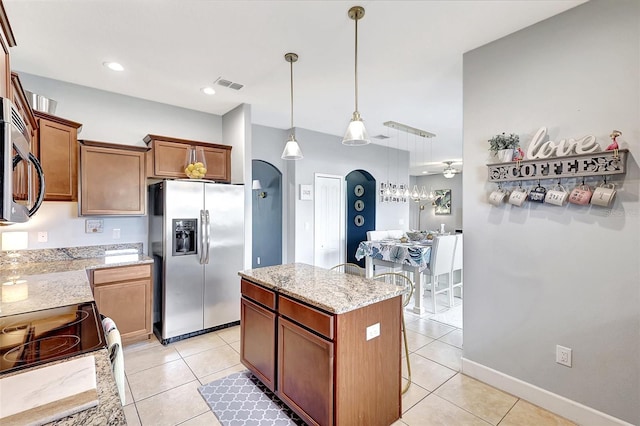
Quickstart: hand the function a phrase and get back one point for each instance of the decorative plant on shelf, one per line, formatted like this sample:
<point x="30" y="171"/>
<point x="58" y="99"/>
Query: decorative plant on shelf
<point x="501" y="142"/>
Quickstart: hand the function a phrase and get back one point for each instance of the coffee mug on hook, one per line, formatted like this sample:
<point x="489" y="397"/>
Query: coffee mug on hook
<point x="603" y="195"/>
<point x="498" y="196"/>
<point x="556" y="196"/>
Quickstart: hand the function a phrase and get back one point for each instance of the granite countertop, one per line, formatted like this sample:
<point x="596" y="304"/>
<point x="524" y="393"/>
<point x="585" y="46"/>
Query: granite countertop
<point x="330" y="291"/>
<point x="51" y="278"/>
<point x="109" y="409"/>
<point x="55" y="283"/>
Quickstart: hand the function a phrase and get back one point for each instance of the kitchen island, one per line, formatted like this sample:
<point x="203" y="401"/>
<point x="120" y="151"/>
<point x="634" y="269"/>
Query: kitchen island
<point x="327" y="343"/>
<point x="46" y="279"/>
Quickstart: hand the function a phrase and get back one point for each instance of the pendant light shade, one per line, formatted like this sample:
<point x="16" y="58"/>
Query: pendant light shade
<point x="291" y="150"/>
<point x="356" y="134"/>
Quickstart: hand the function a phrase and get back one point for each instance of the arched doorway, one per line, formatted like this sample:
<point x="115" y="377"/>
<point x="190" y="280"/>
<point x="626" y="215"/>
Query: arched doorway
<point x="267" y="215"/>
<point x="361" y="210"/>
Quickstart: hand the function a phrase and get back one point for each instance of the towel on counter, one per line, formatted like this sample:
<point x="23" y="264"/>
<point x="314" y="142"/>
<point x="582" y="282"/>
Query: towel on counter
<point x="114" y="347"/>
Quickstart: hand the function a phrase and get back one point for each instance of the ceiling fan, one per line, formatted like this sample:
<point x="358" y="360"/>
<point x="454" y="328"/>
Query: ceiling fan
<point x="449" y="171"/>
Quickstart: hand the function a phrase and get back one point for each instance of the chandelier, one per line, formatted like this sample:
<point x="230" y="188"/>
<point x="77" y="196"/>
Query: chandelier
<point x="400" y="192"/>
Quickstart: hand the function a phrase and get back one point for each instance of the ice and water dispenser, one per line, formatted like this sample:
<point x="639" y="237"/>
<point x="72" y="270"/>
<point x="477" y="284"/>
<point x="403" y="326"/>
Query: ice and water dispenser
<point x="184" y="236"/>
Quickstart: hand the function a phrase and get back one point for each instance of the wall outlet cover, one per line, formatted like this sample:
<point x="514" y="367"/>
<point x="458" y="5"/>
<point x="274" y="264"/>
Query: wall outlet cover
<point x="92" y="226"/>
<point x="373" y="331"/>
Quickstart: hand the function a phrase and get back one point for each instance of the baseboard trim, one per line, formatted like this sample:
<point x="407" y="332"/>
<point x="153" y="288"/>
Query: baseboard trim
<point x="560" y="405"/>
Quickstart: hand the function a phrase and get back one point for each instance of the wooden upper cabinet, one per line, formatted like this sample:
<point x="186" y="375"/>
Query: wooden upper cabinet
<point x="6" y="41"/>
<point x="57" y="149"/>
<point x="19" y="99"/>
<point x="112" y="179"/>
<point x="167" y="158"/>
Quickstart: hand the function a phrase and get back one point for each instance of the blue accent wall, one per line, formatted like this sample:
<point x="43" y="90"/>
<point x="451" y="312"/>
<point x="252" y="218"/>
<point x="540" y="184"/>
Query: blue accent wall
<point x="267" y="215"/>
<point x="355" y="233"/>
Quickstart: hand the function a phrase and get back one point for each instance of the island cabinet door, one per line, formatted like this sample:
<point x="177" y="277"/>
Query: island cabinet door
<point x="305" y="373"/>
<point x="258" y="341"/>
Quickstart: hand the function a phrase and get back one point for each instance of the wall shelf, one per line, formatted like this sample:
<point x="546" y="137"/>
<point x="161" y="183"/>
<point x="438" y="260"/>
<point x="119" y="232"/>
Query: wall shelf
<point x="593" y="164"/>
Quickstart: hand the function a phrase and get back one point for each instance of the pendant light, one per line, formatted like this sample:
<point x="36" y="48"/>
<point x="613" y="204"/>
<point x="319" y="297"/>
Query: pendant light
<point x="291" y="149"/>
<point x="356" y="133"/>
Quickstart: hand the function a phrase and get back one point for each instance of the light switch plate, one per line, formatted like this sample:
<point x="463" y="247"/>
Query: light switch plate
<point x="373" y="331"/>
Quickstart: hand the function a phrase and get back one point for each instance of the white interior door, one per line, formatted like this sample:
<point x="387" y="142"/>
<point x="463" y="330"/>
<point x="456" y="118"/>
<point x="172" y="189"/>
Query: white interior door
<point x="329" y="220"/>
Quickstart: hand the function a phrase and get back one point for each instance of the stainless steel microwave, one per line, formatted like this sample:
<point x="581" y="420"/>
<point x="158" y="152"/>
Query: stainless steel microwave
<point x="22" y="186"/>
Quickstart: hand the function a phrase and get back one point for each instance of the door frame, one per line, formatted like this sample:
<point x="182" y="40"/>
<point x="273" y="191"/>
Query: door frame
<point x="343" y="195"/>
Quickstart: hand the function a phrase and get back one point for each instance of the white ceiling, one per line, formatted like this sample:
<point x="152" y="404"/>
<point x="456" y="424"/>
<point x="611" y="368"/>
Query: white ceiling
<point x="410" y="57"/>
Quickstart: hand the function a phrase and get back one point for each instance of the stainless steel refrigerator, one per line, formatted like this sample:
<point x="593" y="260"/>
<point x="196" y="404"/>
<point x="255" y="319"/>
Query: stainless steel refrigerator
<point x="196" y="236"/>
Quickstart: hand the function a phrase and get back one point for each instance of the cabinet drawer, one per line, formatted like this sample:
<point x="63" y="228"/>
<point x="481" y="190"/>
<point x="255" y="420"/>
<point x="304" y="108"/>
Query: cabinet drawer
<point x="259" y="294"/>
<point x="315" y="320"/>
<point x="125" y="273"/>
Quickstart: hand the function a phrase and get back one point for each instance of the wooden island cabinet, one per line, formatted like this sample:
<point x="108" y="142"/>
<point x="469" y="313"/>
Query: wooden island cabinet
<point x="309" y="335"/>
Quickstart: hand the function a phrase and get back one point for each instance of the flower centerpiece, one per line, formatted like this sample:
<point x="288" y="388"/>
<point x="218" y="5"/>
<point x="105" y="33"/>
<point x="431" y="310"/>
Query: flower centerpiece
<point x="503" y="146"/>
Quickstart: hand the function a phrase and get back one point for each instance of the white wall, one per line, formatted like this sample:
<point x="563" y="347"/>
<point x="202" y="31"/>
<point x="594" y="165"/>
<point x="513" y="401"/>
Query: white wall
<point x="540" y="275"/>
<point x="325" y="153"/>
<point x="114" y="118"/>
<point x="429" y="219"/>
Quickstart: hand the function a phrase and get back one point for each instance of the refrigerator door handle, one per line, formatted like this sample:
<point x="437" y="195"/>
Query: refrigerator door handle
<point x="207" y="236"/>
<point x="203" y="232"/>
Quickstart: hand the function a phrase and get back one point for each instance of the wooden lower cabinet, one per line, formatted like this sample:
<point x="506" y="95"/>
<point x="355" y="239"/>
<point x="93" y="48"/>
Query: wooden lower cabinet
<point x="326" y="369"/>
<point x="305" y="373"/>
<point x="257" y="347"/>
<point x="125" y="295"/>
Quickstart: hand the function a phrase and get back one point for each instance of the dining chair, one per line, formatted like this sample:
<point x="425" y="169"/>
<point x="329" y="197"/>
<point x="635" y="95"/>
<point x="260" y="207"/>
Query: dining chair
<point x="349" y="268"/>
<point x="457" y="266"/>
<point x="404" y="282"/>
<point x="441" y="263"/>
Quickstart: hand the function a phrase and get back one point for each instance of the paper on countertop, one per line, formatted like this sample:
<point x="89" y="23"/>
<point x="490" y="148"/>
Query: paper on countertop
<point x="42" y="395"/>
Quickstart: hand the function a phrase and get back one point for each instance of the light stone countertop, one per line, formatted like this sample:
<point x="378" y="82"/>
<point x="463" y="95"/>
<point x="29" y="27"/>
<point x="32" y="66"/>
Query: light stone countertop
<point x="53" y="284"/>
<point x="330" y="291"/>
<point x="58" y="277"/>
<point x="109" y="409"/>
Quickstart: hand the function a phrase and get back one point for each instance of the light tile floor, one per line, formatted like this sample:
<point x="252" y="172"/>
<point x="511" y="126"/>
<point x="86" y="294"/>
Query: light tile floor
<point x="162" y="382"/>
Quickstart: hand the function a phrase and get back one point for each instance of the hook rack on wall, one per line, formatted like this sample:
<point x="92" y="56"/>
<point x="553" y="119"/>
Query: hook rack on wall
<point x="593" y="164"/>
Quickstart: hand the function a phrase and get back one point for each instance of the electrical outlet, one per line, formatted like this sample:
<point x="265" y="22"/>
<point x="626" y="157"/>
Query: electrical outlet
<point x="373" y="331"/>
<point x="563" y="355"/>
<point x="116" y="233"/>
<point x="43" y="237"/>
<point x="258" y="260"/>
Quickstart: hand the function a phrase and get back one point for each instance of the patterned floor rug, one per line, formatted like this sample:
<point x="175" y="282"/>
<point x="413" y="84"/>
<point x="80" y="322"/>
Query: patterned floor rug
<point x="240" y="399"/>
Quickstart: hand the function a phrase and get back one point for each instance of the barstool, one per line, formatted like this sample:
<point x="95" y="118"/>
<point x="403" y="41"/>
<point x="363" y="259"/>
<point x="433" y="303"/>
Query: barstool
<point x="401" y="281"/>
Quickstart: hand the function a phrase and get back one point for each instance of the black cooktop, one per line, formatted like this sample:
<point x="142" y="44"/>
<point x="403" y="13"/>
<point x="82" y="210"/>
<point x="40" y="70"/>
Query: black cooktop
<point x="38" y="337"/>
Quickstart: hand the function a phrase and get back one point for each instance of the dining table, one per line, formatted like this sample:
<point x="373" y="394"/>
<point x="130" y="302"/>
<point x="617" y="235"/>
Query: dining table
<point x="412" y="256"/>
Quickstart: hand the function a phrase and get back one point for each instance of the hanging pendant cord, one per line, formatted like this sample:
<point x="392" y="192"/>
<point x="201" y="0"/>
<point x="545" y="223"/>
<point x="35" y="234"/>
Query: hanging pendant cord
<point x="356" y="64"/>
<point x="291" y="64"/>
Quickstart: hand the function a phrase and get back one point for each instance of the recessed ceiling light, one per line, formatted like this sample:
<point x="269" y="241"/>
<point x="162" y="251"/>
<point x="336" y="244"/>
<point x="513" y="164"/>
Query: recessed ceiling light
<point x="114" y="66"/>
<point x="208" y="90"/>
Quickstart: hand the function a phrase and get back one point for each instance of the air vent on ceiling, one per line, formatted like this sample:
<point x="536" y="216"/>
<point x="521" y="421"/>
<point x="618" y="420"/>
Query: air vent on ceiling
<point x="381" y="137"/>
<point x="230" y="84"/>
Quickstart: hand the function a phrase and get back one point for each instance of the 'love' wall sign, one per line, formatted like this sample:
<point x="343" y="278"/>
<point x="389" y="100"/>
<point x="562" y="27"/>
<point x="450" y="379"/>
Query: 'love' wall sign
<point x="538" y="148"/>
<point x="565" y="158"/>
